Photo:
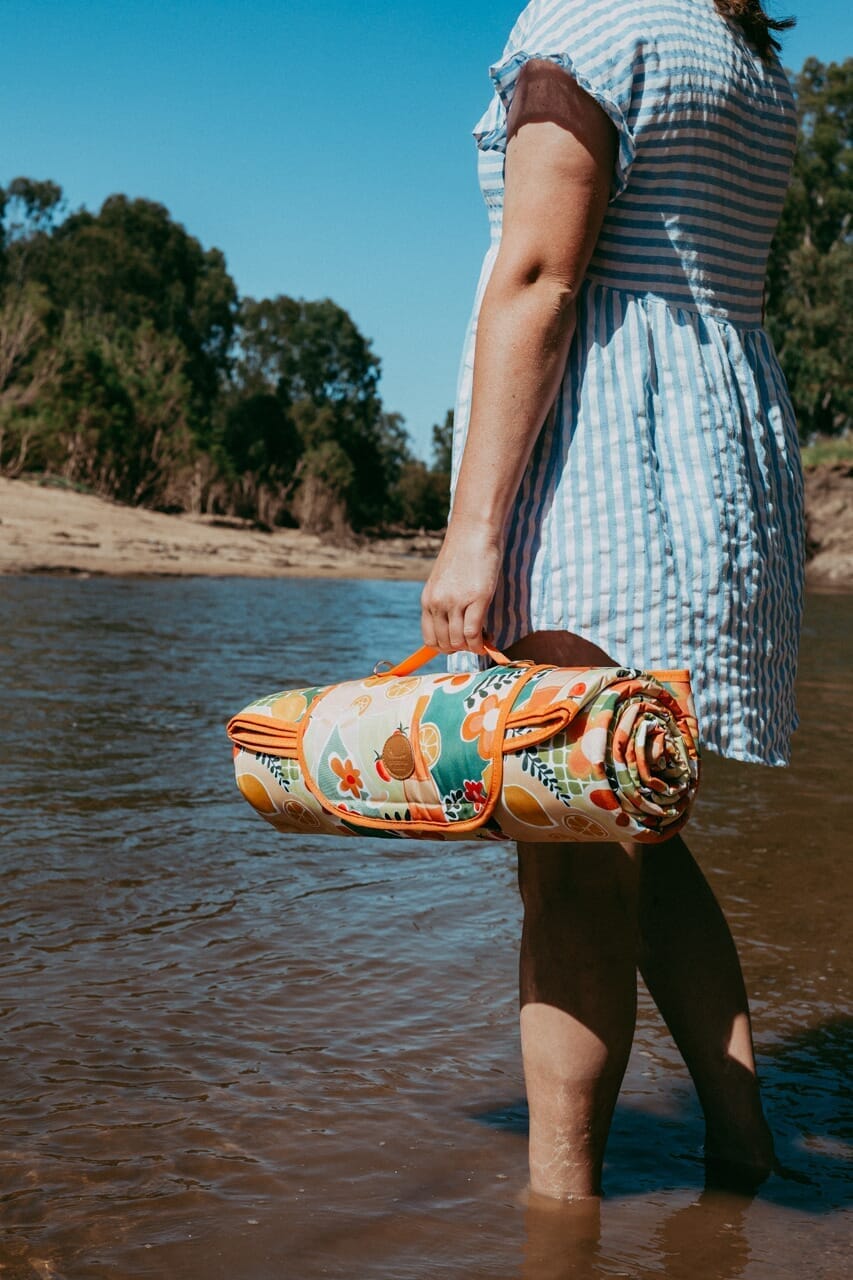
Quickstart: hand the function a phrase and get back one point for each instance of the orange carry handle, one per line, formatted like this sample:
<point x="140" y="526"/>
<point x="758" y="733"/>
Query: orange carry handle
<point x="426" y="653"/>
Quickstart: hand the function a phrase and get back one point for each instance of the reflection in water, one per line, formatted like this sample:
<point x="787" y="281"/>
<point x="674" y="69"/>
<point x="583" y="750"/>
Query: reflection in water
<point x="227" y="1053"/>
<point x="561" y="1239"/>
<point x="702" y="1237"/>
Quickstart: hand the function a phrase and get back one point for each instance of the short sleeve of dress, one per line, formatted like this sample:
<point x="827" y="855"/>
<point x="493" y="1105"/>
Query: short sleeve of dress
<point x="601" y="55"/>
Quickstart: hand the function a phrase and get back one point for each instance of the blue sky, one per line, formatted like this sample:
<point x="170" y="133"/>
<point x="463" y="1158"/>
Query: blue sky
<point x="324" y="147"/>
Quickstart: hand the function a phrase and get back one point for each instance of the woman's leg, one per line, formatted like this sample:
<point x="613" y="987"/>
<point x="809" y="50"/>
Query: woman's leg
<point x="578" y="993"/>
<point x="688" y="961"/>
<point x="690" y="965"/>
<point x="577" y="981"/>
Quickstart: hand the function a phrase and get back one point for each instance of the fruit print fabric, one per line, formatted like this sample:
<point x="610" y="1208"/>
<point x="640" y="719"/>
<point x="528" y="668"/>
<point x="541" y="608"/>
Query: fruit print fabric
<point x="513" y="752"/>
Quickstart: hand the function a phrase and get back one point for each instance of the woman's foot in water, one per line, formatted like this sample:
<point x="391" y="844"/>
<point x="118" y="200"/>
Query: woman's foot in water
<point x="739" y="1161"/>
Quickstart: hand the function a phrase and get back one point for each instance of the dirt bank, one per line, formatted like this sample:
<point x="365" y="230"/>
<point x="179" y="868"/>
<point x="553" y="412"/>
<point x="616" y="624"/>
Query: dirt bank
<point x="44" y="529"/>
<point x="47" y="529"/>
<point x="829" y="522"/>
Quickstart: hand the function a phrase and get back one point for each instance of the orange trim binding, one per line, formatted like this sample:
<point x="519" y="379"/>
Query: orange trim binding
<point x="390" y="824"/>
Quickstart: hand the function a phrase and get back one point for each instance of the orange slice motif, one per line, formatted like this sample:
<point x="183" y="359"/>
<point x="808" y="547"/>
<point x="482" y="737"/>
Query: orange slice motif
<point x="429" y="738"/>
<point x="583" y="827"/>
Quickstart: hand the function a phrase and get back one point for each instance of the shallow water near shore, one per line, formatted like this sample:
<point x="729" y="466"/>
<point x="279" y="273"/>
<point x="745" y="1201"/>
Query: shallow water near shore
<point x="230" y="1053"/>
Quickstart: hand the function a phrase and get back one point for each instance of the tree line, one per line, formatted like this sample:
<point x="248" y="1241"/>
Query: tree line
<point x="130" y="365"/>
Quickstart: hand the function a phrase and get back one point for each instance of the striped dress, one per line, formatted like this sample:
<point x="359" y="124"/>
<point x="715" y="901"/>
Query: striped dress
<point x="661" y="514"/>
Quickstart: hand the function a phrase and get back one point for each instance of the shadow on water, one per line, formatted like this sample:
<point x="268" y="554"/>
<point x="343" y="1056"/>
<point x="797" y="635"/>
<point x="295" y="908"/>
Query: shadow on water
<point x="701" y="1229"/>
<point x="805" y="1080"/>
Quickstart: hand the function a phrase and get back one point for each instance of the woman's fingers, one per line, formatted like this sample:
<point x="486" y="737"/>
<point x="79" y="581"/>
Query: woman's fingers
<point x="456" y="628"/>
<point x="442" y="632"/>
<point x="442" y="626"/>
<point x="428" y="628"/>
<point x="445" y="622"/>
<point x="458" y="593"/>
<point x="473" y="625"/>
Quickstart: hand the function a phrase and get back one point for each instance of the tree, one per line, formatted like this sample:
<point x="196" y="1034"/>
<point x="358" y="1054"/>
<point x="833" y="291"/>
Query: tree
<point x="811" y="259"/>
<point x="127" y="364"/>
<point x="312" y="359"/>
<point x="132" y="264"/>
<point x="114" y="415"/>
<point x="30" y="208"/>
<point x="27" y="367"/>
<point x="421" y="496"/>
<point x="148" y="459"/>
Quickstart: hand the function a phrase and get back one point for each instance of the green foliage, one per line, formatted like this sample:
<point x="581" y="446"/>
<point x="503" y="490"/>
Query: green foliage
<point x="28" y="208"/>
<point x="128" y="366"/>
<point x="260" y="436"/>
<point x="114" y="416"/>
<point x="28" y="365"/>
<point x="423" y="496"/>
<point x="420" y="496"/>
<point x="828" y="449"/>
<point x="326" y="475"/>
<point x="128" y="265"/>
<point x="810" y="271"/>
<point x="314" y="364"/>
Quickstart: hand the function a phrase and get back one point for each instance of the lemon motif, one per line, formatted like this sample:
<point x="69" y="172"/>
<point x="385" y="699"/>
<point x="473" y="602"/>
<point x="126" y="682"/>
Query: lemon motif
<point x="524" y="806"/>
<point x="256" y="793"/>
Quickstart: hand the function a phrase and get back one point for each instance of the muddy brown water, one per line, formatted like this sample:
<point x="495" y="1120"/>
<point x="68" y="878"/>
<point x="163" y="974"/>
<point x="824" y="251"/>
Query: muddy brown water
<point x="229" y="1053"/>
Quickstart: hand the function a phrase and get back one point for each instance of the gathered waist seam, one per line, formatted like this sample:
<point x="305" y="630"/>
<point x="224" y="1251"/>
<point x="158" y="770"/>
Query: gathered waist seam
<point x="648" y="297"/>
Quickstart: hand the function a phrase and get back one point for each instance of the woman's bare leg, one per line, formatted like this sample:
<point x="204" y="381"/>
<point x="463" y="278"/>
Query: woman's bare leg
<point x="690" y="965"/>
<point x="577" y="1016"/>
<point x="577" y="982"/>
<point x="578" y="994"/>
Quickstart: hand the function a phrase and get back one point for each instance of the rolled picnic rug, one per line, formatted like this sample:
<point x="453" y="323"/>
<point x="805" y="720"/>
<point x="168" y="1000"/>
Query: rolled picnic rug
<point x="518" y="751"/>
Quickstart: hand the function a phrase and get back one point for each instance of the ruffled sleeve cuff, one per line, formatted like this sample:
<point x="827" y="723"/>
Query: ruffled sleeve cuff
<point x="490" y="130"/>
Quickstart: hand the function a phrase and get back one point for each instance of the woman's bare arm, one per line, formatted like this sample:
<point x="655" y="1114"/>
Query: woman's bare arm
<point x="560" y="156"/>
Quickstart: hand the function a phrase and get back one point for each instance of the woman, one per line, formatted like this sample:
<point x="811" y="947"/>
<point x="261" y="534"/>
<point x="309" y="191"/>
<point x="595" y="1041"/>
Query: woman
<point x="627" y="490"/>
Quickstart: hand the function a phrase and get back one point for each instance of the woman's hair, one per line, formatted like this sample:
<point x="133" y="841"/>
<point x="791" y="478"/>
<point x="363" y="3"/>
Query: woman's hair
<point x="755" y="24"/>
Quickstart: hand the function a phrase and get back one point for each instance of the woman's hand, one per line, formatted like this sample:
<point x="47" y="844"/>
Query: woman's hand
<point x="460" y="588"/>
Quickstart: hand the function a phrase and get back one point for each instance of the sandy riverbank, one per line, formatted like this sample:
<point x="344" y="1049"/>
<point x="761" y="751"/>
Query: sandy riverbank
<point x="46" y="529"/>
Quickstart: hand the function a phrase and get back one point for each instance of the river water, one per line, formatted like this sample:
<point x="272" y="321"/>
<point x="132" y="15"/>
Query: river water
<point x="231" y="1053"/>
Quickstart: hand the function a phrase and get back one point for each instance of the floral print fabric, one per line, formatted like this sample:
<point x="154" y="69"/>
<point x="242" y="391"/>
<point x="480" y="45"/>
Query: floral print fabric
<point x="514" y="752"/>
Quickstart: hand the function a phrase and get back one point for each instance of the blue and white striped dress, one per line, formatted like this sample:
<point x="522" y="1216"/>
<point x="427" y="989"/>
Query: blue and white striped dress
<point x="661" y="514"/>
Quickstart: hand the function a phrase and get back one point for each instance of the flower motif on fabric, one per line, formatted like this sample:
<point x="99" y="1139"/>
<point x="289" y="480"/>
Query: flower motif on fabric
<point x="474" y="792"/>
<point x="350" y="777"/>
<point x="482" y="724"/>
